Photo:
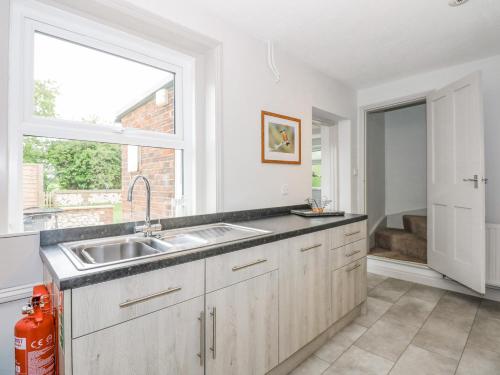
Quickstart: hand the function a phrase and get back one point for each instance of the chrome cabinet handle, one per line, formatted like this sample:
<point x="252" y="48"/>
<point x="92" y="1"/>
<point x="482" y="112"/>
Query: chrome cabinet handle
<point x="151" y="296"/>
<point x="258" y="261"/>
<point x="353" y="268"/>
<point x="352" y="233"/>
<point x="311" y="247"/>
<point x="213" y="348"/>
<point x="352" y="253"/>
<point x="201" y="354"/>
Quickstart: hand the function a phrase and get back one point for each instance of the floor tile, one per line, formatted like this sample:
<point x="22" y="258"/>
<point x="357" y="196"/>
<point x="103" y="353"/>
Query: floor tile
<point x="375" y="308"/>
<point x="390" y="290"/>
<point x="410" y="310"/>
<point x="443" y="336"/>
<point x="311" y="366"/>
<point x="359" y="362"/>
<point x="387" y="338"/>
<point x="374" y="280"/>
<point x="417" y="361"/>
<point x="459" y="309"/>
<point x="489" y="309"/>
<point x="485" y="334"/>
<point x="425" y="293"/>
<point x="479" y="361"/>
<point x="339" y="343"/>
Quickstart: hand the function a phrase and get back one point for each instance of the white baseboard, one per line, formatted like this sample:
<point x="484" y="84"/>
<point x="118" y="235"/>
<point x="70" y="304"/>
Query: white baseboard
<point x="422" y="274"/>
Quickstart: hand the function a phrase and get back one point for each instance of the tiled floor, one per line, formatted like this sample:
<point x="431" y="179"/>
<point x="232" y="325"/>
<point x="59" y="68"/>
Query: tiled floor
<point x="412" y="329"/>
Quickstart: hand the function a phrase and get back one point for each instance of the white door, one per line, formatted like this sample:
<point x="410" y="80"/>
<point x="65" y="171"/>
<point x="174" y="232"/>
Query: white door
<point x="456" y="189"/>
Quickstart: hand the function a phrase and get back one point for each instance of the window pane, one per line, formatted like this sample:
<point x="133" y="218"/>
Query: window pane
<point x="70" y="183"/>
<point x="78" y="83"/>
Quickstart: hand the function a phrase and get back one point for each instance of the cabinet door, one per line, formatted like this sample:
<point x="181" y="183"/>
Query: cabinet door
<point x="242" y="327"/>
<point x="349" y="288"/>
<point x="164" y="342"/>
<point x="304" y="291"/>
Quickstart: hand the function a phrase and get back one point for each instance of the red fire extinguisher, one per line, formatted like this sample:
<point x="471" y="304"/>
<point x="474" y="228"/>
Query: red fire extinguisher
<point x="35" y="336"/>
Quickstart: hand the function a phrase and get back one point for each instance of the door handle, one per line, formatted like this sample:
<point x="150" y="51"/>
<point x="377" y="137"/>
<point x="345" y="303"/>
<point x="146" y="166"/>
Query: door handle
<point x="201" y="354"/>
<point x="213" y="348"/>
<point x="475" y="180"/>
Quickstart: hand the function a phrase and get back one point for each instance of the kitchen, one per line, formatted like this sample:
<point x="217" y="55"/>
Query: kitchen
<point x="216" y="114"/>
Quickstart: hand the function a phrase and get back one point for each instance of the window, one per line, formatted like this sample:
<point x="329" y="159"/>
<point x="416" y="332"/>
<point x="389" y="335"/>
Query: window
<point x="93" y="107"/>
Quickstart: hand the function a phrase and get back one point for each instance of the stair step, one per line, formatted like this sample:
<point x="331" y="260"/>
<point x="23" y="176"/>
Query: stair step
<point x="401" y="241"/>
<point x="416" y="224"/>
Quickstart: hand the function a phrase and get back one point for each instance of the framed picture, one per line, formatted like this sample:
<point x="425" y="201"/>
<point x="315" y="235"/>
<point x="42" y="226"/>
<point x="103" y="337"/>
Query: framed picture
<point x="281" y="139"/>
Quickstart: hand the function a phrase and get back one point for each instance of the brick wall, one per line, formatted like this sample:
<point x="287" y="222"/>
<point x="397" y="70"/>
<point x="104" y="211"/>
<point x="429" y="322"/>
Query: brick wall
<point x="158" y="165"/>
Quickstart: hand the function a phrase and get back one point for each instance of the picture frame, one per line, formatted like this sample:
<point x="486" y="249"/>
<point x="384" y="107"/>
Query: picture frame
<point x="281" y="139"/>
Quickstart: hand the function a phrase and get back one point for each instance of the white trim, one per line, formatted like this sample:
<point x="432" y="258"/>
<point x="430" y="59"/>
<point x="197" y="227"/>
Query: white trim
<point x="361" y="141"/>
<point x="422" y="274"/>
<point x="29" y="16"/>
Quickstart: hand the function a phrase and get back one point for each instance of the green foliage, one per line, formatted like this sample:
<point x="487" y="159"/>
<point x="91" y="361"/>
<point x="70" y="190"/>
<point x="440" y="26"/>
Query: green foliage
<point x="316" y="175"/>
<point x="85" y="165"/>
<point x="78" y="165"/>
<point x="44" y="98"/>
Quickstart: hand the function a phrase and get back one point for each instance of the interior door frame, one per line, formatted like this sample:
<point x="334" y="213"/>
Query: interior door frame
<point x="362" y="123"/>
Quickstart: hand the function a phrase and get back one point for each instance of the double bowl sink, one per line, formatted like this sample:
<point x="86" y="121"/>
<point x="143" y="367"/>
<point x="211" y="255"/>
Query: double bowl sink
<point x="114" y="250"/>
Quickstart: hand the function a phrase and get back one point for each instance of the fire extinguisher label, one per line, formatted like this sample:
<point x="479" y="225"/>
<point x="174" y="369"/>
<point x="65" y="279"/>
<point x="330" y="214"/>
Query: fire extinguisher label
<point x="20" y="343"/>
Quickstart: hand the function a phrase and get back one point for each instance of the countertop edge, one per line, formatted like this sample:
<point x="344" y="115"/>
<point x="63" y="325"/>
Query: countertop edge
<point x="203" y="253"/>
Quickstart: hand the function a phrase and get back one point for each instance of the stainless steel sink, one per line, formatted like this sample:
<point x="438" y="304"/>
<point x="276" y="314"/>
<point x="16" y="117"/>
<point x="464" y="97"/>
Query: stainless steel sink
<point x="108" y="251"/>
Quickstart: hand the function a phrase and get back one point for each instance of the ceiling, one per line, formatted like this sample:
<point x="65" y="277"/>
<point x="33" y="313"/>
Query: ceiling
<point x="366" y="42"/>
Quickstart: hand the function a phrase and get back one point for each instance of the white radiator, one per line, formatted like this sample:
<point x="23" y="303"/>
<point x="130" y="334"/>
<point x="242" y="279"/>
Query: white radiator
<point x="493" y="254"/>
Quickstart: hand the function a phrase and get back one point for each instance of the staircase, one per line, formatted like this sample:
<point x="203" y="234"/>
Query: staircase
<point x="408" y="244"/>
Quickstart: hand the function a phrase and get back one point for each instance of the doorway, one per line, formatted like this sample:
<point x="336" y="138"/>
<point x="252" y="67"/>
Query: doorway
<point x="396" y="181"/>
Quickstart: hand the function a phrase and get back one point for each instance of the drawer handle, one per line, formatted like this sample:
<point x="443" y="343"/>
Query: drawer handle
<point x="311" y="247"/>
<point x="258" y="261"/>
<point x="352" y="233"/>
<point x="151" y="296"/>
<point x="353" y="268"/>
<point x="352" y="253"/>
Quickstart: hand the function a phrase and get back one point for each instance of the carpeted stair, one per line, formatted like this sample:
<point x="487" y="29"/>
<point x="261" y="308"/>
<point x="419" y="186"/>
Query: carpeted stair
<point x="409" y="243"/>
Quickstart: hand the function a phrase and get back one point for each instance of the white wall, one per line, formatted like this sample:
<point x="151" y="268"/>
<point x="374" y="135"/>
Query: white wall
<point x="375" y="168"/>
<point x="490" y="69"/>
<point x="405" y="160"/>
<point x="247" y="88"/>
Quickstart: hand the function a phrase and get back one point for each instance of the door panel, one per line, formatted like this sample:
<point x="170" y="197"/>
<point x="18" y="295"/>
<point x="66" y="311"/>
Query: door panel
<point x="304" y="291"/>
<point x="167" y="341"/>
<point x="242" y="327"/>
<point x="456" y="205"/>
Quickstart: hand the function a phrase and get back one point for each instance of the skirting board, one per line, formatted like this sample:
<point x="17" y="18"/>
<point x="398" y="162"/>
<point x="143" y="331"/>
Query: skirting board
<point x="421" y="274"/>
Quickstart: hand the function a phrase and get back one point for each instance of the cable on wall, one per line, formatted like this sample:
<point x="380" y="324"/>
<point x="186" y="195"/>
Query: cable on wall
<point x="271" y="62"/>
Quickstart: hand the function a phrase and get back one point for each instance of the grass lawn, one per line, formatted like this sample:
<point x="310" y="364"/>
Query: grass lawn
<point x="117" y="213"/>
<point x="316" y="175"/>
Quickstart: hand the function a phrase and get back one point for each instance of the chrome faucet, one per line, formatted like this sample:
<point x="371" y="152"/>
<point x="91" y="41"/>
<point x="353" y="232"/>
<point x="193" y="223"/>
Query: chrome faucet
<point x="147" y="228"/>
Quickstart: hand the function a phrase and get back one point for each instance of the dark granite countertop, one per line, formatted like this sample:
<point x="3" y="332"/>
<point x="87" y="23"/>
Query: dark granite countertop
<point x="67" y="276"/>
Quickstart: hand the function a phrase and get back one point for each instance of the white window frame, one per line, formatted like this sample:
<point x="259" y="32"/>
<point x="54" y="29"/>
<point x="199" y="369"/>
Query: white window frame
<point x="28" y="17"/>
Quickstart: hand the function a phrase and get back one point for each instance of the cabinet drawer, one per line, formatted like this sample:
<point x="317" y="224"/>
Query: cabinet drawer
<point x="341" y="256"/>
<point x="310" y="242"/>
<point x="102" y="305"/>
<point x="348" y="233"/>
<point x="231" y="268"/>
<point x="349" y="288"/>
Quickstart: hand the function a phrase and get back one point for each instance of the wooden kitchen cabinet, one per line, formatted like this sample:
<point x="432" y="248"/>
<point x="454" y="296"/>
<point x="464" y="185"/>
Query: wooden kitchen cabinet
<point x="304" y="285"/>
<point x="242" y="327"/>
<point x="349" y="288"/>
<point x="167" y="341"/>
